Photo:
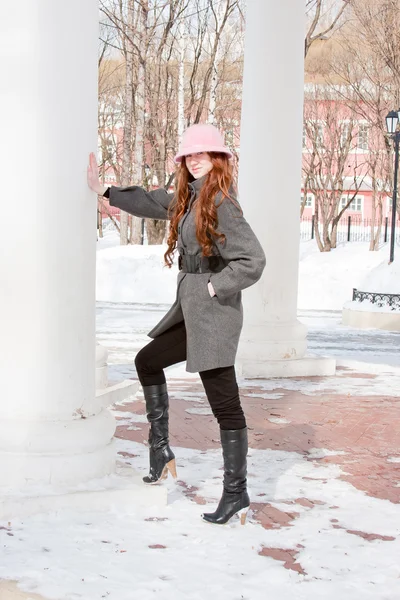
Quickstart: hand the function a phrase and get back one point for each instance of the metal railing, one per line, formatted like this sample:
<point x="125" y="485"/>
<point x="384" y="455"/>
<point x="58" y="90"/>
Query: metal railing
<point x="350" y="229"/>
<point x="391" y="300"/>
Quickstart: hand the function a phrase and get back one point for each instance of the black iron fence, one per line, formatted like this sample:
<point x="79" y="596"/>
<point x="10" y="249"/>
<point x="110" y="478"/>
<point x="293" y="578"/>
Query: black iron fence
<point x="351" y="229"/>
<point x="390" y="300"/>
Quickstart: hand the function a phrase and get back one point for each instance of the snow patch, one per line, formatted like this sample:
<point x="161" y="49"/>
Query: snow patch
<point x="158" y="552"/>
<point x="385" y="279"/>
<point x="199" y="411"/>
<point x="326" y="280"/>
<point x="323" y="452"/>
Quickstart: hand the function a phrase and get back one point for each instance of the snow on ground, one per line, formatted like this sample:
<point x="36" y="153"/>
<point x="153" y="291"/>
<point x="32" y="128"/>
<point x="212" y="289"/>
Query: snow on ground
<point x="123" y="328"/>
<point x="326" y="280"/>
<point x="385" y="383"/>
<point x="170" y="554"/>
<point x="134" y="274"/>
<point x="385" y="278"/>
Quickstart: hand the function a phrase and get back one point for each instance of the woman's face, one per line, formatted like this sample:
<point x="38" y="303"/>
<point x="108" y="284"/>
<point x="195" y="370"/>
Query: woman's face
<point x="198" y="164"/>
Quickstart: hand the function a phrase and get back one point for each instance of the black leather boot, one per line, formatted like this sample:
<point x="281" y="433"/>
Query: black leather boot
<point x="235" y="499"/>
<point x="162" y="458"/>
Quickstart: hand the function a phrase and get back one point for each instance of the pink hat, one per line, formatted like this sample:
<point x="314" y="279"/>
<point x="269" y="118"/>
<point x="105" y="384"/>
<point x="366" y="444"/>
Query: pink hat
<point x="201" y="138"/>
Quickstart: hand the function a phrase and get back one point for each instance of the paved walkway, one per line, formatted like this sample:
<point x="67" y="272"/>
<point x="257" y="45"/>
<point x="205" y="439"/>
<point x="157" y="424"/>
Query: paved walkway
<point x="358" y="432"/>
<point x="305" y="435"/>
<point x="122" y="328"/>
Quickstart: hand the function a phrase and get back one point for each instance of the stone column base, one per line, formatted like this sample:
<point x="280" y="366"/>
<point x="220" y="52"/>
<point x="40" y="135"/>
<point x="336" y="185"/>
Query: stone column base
<point x="309" y="366"/>
<point x="125" y="490"/>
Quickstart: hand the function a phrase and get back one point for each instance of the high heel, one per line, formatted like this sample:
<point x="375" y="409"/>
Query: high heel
<point x="242" y="514"/>
<point x="171" y="467"/>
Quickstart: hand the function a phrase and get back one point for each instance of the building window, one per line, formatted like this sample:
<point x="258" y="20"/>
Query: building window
<point x="363" y="134"/>
<point x="316" y="133"/>
<point x="355" y="206"/>
<point x="309" y="200"/>
<point x="319" y="135"/>
<point x="344" y="134"/>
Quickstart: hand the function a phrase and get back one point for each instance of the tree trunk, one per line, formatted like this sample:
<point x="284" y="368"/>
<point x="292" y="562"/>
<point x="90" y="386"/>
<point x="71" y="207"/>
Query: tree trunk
<point x="100" y="219"/>
<point x="372" y="244"/>
<point x="128" y="109"/>
<point x="99" y="203"/>
<point x="155" y="231"/>
<point x="156" y="228"/>
<point x="325" y="232"/>
<point x="376" y="236"/>
<point x="140" y="106"/>
<point x="214" y="76"/>
<point x="334" y="235"/>
<point x="181" y="83"/>
<point x="316" y="226"/>
<point x="335" y="224"/>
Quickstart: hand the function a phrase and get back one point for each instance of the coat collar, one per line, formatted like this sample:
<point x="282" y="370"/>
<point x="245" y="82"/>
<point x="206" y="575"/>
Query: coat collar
<point x="197" y="184"/>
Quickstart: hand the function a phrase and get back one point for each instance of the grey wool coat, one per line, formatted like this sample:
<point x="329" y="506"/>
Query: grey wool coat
<point x="213" y="324"/>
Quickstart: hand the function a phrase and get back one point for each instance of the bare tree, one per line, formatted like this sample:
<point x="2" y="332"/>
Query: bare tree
<point x="369" y="65"/>
<point x="152" y="85"/>
<point x="323" y="17"/>
<point x="331" y="131"/>
<point x="121" y="18"/>
<point x="202" y="70"/>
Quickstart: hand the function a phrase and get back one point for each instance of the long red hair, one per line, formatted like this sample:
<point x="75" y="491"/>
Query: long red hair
<point x="219" y="179"/>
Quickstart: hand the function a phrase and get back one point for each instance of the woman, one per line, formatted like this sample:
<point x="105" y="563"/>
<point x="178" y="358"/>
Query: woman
<point x="219" y="256"/>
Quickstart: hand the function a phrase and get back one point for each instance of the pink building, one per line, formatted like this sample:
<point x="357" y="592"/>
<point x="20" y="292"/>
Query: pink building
<point x="329" y="126"/>
<point x="337" y="140"/>
<point x="360" y="207"/>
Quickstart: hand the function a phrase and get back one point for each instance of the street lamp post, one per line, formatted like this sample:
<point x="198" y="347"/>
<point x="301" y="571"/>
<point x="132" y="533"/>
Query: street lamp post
<point x="392" y="122"/>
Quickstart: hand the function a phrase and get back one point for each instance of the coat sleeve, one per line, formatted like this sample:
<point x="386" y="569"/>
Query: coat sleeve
<point x="241" y="251"/>
<point x="136" y="201"/>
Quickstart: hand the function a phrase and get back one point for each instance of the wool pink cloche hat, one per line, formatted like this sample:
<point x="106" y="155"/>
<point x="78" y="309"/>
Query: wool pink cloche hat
<point x="201" y="138"/>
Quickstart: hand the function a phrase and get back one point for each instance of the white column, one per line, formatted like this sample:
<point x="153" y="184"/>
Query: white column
<point x="52" y="429"/>
<point x="273" y="341"/>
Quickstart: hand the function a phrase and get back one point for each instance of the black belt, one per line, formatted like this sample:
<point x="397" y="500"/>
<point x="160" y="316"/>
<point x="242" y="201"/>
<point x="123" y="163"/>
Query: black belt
<point x="194" y="263"/>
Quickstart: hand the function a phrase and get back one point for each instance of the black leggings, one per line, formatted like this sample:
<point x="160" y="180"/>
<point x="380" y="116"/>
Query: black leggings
<point x="220" y="384"/>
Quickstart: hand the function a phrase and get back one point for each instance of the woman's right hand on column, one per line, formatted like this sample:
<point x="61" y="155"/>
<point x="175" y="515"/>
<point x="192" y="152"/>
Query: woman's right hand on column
<point x="93" y="176"/>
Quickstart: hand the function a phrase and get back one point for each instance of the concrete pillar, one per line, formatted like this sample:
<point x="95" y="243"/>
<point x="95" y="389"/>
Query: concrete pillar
<point x="273" y="341"/>
<point x="52" y="428"/>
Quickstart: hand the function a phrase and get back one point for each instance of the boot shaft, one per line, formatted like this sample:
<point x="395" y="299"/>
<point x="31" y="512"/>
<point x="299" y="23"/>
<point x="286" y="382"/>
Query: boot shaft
<point x="162" y="458"/>
<point x="235" y="499"/>
<point x="234" y="450"/>
<point x="157" y="402"/>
